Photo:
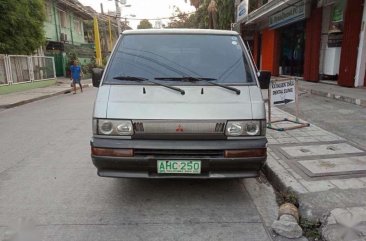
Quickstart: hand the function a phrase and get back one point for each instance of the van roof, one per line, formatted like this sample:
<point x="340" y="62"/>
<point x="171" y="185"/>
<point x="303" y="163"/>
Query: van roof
<point x="180" y="31"/>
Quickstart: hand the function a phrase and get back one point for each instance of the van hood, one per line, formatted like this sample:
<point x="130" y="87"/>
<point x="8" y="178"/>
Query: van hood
<point x="130" y="102"/>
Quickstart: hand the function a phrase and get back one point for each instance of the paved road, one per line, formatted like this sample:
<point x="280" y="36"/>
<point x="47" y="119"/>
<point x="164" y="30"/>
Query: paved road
<point x="344" y="119"/>
<point x="46" y="174"/>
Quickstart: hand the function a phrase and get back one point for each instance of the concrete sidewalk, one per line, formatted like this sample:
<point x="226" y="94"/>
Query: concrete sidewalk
<point x="325" y="171"/>
<point x="350" y="95"/>
<point x="23" y="97"/>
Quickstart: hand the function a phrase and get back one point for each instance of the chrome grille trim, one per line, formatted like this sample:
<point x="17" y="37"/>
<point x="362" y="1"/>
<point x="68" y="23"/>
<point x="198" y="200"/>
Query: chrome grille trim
<point x="178" y="153"/>
<point x="179" y="126"/>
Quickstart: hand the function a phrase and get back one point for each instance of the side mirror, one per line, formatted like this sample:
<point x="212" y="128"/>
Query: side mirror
<point x="264" y="79"/>
<point x="97" y="74"/>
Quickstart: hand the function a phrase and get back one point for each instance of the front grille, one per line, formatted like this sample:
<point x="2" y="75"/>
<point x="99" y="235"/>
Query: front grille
<point x="178" y="127"/>
<point x="178" y="153"/>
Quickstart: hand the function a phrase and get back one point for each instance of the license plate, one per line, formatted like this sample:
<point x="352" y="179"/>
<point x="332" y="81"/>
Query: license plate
<point x="179" y="166"/>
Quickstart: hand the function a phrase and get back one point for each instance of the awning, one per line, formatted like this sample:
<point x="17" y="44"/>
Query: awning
<point x="267" y="10"/>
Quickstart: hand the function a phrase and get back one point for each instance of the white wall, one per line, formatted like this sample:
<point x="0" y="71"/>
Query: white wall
<point x="329" y="57"/>
<point x="361" y="58"/>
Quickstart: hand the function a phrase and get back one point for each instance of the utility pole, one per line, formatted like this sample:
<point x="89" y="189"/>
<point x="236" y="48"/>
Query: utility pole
<point x="98" y="51"/>
<point x="118" y="17"/>
<point x="110" y="35"/>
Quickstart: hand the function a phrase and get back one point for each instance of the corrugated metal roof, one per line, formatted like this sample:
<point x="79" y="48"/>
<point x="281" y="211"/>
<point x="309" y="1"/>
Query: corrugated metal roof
<point x="76" y="7"/>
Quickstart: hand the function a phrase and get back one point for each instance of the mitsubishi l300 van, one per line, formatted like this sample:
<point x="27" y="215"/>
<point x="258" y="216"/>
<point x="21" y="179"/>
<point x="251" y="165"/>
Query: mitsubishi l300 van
<point x="178" y="104"/>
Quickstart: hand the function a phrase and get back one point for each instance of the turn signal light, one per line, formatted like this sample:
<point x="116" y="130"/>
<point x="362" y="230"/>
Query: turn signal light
<point x="111" y="152"/>
<point x="260" y="152"/>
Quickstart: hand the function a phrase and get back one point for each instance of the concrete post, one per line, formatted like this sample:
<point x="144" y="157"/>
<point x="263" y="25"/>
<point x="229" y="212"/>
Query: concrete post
<point x="118" y="12"/>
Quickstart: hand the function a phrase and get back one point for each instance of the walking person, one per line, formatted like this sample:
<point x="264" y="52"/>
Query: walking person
<point x="75" y="75"/>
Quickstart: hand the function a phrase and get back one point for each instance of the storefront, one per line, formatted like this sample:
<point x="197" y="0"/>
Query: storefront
<point x="331" y="40"/>
<point x="317" y="40"/>
<point x="292" y="48"/>
<point x="343" y="48"/>
<point x="278" y="39"/>
<point x="290" y="25"/>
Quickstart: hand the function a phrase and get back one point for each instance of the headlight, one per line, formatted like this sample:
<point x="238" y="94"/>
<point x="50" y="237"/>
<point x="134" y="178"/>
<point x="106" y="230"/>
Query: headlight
<point x="234" y="128"/>
<point x="244" y="128"/>
<point x="105" y="127"/>
<point x="115" y="127"/>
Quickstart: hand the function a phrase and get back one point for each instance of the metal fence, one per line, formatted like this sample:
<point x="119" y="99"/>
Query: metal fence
<point x="4" y="79"/>
<point x="16" y="69"/>
<point x="43" y="68"/>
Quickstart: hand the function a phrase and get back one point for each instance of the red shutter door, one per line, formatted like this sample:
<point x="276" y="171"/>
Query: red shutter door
<point x="270" y="51"/>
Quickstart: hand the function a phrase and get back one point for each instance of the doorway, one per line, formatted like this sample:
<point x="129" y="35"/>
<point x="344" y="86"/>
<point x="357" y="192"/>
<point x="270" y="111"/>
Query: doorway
<point x="292" y="46"/>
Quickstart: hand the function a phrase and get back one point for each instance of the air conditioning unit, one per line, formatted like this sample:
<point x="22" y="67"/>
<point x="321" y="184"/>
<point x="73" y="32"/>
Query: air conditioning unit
<point x="63" y="37"/>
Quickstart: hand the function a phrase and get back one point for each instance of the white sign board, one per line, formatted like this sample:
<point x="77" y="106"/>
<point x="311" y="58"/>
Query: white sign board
<point x="242" y="10"/>
<point x="288" y="15"/>
<point x="283" y="92"/>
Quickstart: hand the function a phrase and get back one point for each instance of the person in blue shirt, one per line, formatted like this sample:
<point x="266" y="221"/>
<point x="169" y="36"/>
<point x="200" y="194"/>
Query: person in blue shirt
<point x="75" y="75"/>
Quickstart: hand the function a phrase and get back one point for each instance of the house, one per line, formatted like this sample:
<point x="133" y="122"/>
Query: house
<point x="64" y="30"/>
<point x="108" y="30"/>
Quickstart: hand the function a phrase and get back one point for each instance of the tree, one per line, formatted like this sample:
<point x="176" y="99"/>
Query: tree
<point x="212" y="14"/>
<point x="225" y="14"/>
<point x="144" y="24"/>
<point x="195" y="3"/>
<point x="200" y="18"/>
<point x="21" y="26"/>
<point x="181" y="20"/>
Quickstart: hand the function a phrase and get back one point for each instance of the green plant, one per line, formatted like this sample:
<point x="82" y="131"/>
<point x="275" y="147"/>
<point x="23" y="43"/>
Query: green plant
<point x="287" y="197"/>
<point x="144" y="24"/>
<point x="311" y="229"/>
<point x="21" y="26"/>
<point x="225" y="14"/>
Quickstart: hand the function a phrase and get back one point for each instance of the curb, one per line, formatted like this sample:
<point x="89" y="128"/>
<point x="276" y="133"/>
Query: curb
<point x="347" y="99"/>
<point x="23" y="102"/>
<point x="275" y="180"/>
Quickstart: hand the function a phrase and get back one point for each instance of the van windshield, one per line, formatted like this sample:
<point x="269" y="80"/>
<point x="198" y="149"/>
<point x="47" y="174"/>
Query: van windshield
<point x="219" y="57"/>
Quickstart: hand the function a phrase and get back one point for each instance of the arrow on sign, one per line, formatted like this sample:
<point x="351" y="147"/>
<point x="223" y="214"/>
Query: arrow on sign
<point x="285" y="101"/>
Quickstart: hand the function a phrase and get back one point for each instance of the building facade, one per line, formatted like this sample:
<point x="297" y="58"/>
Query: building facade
<point x="64" y="29"/>
<point x="314" y="39"/>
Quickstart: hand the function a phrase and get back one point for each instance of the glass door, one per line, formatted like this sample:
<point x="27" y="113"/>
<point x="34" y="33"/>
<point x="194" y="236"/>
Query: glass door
<point x="292" y="45"/>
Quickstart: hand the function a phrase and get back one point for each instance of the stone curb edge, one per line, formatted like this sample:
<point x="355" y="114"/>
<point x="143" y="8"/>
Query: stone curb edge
<point x="23" y="102"/>
<point x="275" y="180"/>
<point x="351" y="100"/>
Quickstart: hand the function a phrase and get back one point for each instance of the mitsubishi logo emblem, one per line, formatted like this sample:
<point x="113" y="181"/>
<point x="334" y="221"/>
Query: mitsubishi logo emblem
<point x="179" y="128"/>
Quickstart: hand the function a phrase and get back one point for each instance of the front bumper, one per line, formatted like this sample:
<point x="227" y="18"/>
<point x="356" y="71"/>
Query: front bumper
<point x="145" y="166"/>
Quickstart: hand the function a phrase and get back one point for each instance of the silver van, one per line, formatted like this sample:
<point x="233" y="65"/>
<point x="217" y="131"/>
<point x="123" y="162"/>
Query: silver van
<point x="178" y="103"/>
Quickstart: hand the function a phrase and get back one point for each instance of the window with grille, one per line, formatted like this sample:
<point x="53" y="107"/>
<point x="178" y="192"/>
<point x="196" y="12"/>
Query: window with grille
<point x="78" y="26"/>
<point x="63" y="18"/>
<point x="49" y="14"/>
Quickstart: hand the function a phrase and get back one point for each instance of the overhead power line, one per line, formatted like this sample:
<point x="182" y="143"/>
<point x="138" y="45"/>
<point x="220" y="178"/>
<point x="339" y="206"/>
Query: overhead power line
<point x="162" y="18"/>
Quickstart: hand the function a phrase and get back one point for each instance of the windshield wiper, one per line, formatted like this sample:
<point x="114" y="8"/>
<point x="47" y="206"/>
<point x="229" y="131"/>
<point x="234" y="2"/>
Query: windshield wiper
<point x="195" y="79"/>
<point x="140" y="79"/>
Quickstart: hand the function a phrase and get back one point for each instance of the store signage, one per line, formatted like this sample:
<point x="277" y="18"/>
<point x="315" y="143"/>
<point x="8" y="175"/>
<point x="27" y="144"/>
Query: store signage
<point x="335" y="40"/>
<point x="242" y="10"/>
<point x="283" y="92"/>
<point x="288" y="15"/>
<point x="324" y="3"/>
